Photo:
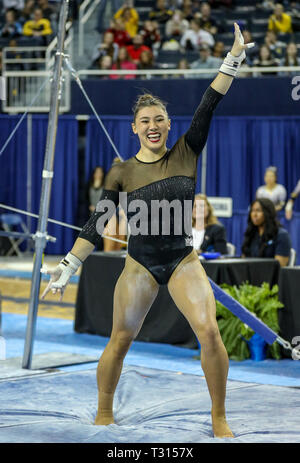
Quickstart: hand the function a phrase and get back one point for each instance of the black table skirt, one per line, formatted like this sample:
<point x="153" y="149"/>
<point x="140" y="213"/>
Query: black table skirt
<point x="289" y="295"/>
<point x="164" y="323"/>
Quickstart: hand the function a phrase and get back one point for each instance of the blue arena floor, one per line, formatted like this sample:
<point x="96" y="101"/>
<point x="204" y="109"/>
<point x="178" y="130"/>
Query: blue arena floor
<point x="162" y="395"/>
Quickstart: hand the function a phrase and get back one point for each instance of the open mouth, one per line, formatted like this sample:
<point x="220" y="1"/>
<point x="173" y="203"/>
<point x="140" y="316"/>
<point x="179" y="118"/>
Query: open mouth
<point x="154" y="137"/>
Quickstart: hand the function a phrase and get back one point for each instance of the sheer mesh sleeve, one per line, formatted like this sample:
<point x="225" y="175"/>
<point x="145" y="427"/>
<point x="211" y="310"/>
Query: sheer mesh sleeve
<point x="106" y="207"/>
<point x="197" y="134"/>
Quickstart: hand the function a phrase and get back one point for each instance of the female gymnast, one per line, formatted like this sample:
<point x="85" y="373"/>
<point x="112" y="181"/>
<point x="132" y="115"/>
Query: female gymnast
<point x="157" y="173"/>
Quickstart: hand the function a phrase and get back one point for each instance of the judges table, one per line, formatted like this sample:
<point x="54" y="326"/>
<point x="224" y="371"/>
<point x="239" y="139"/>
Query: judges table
<point x="289" y="295"/>
<point x="164" y="323"/>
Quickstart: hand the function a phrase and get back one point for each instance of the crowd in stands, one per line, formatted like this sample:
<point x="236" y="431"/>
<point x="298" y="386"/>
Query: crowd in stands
<point x="195" y="34"/>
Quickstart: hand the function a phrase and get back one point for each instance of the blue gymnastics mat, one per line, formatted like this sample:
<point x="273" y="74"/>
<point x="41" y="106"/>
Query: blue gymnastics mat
<point x="150" y="406"/>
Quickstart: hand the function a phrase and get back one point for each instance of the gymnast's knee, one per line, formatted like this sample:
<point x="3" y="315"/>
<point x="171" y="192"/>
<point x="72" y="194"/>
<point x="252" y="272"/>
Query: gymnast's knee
<point x="120" y="343"/>
<point x="209" y="337"/>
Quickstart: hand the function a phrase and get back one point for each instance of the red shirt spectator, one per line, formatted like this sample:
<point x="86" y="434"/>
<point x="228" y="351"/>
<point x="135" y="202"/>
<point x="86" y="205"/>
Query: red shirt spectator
<point x="121" y="37"/>
<point x="136" y="48"/>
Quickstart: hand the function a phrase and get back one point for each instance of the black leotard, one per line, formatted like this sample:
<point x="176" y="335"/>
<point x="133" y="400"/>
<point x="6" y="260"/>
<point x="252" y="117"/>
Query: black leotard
<point x="172" y="177"/>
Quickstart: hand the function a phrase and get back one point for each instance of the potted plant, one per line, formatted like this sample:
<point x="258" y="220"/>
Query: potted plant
<point x="238" y="338"/>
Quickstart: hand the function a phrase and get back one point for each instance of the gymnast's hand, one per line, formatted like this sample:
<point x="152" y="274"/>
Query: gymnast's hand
<point x="239" y="47"/>
<point x="61" y="275"/>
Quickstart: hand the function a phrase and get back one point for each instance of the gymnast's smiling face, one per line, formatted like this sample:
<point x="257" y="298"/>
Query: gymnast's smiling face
<point x="152" y="126"/>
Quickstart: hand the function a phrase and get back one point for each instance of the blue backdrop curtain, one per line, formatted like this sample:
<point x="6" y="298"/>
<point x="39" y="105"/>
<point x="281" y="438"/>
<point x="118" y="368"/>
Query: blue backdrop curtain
<point x="239" y="149"/>
<point x="13" y="173"/>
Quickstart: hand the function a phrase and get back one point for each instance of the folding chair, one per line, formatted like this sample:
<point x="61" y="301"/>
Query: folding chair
<point x="9" y="221"/>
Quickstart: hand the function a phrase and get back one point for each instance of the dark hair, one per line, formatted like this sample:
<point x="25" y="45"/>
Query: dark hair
<point x="271" y="226"/>
<point x="147" y="100"/>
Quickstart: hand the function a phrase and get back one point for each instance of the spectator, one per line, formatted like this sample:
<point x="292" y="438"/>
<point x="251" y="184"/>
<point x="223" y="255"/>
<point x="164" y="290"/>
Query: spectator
<point x="104" y="64"/>
<point x="48" y="11"/>
<point x="136" y="48"/>
<point x="27" y="12"/>
<point x="176" y="26"/>
<point x="265" y="59"/>
<point x="280" y="22"/>
<point x="182" y="64"/>
<point x="209" y="235"/>
<point x="195" y="36"/>
<point x="290" y="204"/>
<point x="207" y="22"/>
<point x="151" y="35"/>
<point x="130" y="19"/>
<point x="146" y="62"/>
<point x="272" y="190"/>
<point x="264" y="236"/>
<point x="219" y="50"/>
<point x="206" y="61"/>
<point x="251" y="52"/>
<point x="38" y="28"/>
<point x="123" y="62"/>
<point x="117" y="28"/>
<point x="187" y="10"/>
<point x="12" y="28"/>
<point x="107" y="47"/>
<point x="291" y="58"/>
<point x="276" y="46"/>
<point x="160" y="12"/>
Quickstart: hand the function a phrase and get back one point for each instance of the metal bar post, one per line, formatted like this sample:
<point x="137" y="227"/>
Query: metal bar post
<point x="41" y="234"/>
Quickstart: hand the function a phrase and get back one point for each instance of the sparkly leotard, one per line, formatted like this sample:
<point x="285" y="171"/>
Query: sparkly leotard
<point x="172" y="177"/>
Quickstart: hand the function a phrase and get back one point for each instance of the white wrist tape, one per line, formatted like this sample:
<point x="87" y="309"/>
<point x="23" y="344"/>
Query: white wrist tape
<point x="70" y="261"/>
<point x="231" y="64"/>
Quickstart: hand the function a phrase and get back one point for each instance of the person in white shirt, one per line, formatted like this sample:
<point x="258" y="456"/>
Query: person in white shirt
<point x="290" y="204"/>
<point x="272" y="190"/>
<point x="195" y="36"/>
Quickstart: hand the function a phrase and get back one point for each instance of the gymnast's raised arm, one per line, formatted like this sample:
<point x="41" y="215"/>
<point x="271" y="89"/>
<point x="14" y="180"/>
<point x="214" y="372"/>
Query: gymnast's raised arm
<point x="197" y="134"/>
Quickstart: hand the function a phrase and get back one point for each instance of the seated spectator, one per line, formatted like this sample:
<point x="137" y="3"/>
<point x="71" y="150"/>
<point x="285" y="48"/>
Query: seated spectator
<point x="136" y="48"/>
<point x="38" y="28"/>
<point x="290" y="204"/>
<point x="208" y="23"/>
<point x="146" y="62"/>
<point x="27" y="12"/>
<point x="104" y="64"/>
<point x="272" y="190"/>
<point x="176" y="26"/>
<point x="160" y="12"/>
<point x="264" y="59"/>
<point x="280" y="22"/>
<point x="195" y="36"/>
<point x="209" y="235"/>
<point x="117" y="28"/>
<point x="123" y="62"/>
<point x="95" y="188"/>
<point x="187" y="10"/>
<point x="291" y="58"/>
<point x="12" y="28"/>
<point x="219" y="50"/>
<point x="251" y="52"/>
<point x="206" y="61"/>
<point x="48" y="10"/>
<point x="151" y="34"/>
<point x="130" y="19"/>
<point x="265" y="236"/>
<point x="276" y="46"/>
<point x="107" y="47"/>
<point x="182" y="64"/>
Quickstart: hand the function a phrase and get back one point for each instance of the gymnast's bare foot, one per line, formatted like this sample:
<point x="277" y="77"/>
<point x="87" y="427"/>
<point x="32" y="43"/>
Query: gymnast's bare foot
<point x="220" y="426"/>
<point x="104" y="420"/>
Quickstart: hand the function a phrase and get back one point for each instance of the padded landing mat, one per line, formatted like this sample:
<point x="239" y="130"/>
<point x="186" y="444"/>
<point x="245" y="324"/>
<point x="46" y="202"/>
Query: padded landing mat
<point x="12" y="367"/>
<point x="151" y="406"/>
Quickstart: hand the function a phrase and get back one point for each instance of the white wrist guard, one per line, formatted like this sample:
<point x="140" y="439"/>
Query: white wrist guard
<point x="231" y="64"/>
<point x="70" y="261"/>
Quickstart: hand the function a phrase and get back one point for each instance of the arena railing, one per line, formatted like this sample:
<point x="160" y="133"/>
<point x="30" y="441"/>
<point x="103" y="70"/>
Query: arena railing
<point x="86" y="9"/>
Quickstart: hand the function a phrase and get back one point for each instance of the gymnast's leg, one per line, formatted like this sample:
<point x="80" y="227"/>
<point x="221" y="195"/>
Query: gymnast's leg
<point x="134" y="294"/>
<point x="192" y="293"/>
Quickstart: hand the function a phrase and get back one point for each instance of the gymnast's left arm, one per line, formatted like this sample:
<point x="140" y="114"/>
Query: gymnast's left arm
<point x="197" y="134"/>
